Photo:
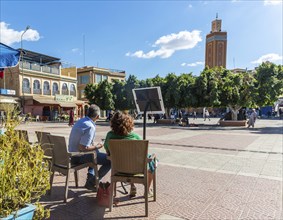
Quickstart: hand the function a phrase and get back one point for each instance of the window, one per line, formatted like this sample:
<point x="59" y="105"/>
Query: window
<point x="46" y="86"/>
<point x="64" y="86"/>
<point x="36" y="84"/>
<point x="65" y="89"/>
<point x="82" y="93"/>
<point x="55" y="88"/>
<point x="72" y="88"/>
<point x="84" y="79"/>
<point x="104" y="77"/>
<point x="98" y="78"/>
<point x="26" y="83"/>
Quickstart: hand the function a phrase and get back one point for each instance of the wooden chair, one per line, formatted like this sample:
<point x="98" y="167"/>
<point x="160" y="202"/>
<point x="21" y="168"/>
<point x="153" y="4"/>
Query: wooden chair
<point x="43" y="140"/>
<point x="61" y="162"/>
<point x="129" y="164"/>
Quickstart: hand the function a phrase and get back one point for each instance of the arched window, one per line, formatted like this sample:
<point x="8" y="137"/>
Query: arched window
<point x="26" y="86"/>
<point x="65" y="89"/>
<point x="26" y="83"/>
<point x="36" y="84"/>
<point x="55" y="88"/>
<point x="46" y="86"/>
<point x="73" y="90"/>
<point x="36" y="87"/>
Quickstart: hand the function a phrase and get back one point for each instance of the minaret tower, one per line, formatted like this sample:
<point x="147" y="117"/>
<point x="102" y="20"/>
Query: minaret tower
<point x="216" y="45"/>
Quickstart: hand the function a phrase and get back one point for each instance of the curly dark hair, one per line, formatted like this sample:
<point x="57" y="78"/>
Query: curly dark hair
<point x="122" y="123"/>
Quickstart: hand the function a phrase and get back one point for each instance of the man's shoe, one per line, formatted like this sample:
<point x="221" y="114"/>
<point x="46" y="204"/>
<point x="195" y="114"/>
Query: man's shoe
<point x="90" y="186"/>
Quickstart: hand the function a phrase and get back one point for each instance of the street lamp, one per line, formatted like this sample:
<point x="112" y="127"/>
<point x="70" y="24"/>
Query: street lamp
<point x="23" y="92"/>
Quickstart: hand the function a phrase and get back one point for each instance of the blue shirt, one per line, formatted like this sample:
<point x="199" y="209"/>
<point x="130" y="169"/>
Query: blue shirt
<point x="83" y="132"/>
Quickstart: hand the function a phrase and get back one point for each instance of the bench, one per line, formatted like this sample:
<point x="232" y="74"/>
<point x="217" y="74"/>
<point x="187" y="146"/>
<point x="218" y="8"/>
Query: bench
<point x="233" y="123"/>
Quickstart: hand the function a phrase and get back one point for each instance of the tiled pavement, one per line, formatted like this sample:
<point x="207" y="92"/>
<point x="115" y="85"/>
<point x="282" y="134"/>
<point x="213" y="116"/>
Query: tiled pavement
<point x="205" y="172"/>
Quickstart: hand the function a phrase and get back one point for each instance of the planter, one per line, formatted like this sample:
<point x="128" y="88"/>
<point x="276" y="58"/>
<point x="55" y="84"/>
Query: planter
<point x="231" y="123"/>
<point x="165" y="121"/>
<point x="25" y="213"/>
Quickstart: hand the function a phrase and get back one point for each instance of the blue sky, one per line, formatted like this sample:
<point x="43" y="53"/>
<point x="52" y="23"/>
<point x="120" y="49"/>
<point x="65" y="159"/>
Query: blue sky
<point x="144" y="38"/>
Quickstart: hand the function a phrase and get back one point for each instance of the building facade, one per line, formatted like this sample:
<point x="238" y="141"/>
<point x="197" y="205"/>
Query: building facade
<point x="216" y="46"/>
<point x="93" y="75"/>
<point x="42" y="86"/>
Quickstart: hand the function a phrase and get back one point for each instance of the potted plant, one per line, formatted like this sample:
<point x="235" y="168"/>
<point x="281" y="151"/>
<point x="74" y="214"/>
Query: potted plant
<point x="24" y="175"/>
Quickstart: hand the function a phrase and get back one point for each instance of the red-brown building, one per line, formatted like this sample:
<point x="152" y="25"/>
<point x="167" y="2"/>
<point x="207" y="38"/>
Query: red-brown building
<point x="216" y="46"/>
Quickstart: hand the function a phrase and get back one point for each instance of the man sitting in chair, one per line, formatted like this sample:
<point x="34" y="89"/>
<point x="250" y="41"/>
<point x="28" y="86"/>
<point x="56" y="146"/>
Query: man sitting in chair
<point x="82" y="139"/>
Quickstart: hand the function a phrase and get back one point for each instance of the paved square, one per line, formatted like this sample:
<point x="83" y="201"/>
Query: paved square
<point x="205" y="172"/>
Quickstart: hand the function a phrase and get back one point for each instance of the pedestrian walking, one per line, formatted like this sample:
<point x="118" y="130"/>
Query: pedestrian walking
<point x="71" y="118"/>
<point x="252" y="118"/>
<point x="195" y="115"/>
<point x="206" y="115"/>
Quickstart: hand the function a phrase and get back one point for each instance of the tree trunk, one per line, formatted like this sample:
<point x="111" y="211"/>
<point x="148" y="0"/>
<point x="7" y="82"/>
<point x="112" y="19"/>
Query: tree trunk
<point x="234" y="110"/>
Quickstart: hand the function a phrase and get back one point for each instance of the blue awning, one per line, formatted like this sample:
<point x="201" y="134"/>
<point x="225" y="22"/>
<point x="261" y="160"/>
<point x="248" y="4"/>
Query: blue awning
<point x="9" y="57"/>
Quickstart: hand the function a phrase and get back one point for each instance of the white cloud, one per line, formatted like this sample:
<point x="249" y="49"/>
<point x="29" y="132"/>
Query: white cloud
<point x="74" y="50"/>
<point x="193" y="64"/>
<point x="169" y="44"/>
<point x="9" y="36"/>
<point x="272" y="2"/>
<point x="272" y="57"/>
<point x="190" y="6"/>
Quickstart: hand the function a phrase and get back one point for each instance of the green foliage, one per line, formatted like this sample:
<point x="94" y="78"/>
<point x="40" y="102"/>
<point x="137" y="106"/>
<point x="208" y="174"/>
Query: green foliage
<point x="216" y="87"/>
<point x="132" y="83"/>
<point x="24" y="175"/>
<point x="104" y="97"/>
<point x="119" y="95"/>
<point x="269" y="84"/>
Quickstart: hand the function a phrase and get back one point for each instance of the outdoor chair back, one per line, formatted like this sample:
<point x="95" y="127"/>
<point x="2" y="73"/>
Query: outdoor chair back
<point x="129" y="164"/>
<point x="61" y="162"/>
<point x="44" y="142"/>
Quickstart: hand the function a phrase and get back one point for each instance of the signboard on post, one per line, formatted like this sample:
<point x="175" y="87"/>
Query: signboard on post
<point x="148" y="100"/>
<point x="150" y="96"/>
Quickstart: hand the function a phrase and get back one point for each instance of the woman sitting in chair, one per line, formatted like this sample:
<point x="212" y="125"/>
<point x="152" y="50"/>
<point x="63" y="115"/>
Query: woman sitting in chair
<point x="122" y="126"/>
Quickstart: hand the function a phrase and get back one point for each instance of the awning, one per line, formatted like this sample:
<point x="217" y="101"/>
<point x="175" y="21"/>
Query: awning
<point x="67" y="104"/>
<point x="45" y="100"/>
<point x="7" y="100"/>
<point x="79" y="102"/>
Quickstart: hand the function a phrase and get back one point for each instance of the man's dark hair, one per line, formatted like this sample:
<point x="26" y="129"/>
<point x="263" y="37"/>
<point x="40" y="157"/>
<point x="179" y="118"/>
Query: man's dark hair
<point x="93" y="111"/>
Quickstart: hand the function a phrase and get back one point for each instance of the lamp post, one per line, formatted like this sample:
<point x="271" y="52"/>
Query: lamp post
<point x="23" y="92"/>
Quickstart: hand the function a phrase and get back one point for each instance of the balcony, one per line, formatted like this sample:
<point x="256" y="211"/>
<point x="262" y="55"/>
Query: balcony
<point x="65" y="92"/>
<point x="46" y="92"/>
<point x="40" y="68"/>
<point x="55" y="92"/>
<point x="73" y="93"/>
<point x="37" y="91"/>
<point x="27" y="90"/>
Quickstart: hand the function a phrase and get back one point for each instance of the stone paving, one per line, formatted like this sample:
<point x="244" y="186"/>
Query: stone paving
<point x="205" y="172"/>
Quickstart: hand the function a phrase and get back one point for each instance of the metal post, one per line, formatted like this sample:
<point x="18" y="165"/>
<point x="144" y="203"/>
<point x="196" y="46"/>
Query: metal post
<point x="22" y="67"/>
<point x="144" y="120"/>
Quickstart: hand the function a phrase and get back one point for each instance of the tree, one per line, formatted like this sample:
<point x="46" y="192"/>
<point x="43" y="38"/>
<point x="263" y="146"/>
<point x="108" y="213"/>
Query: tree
<point x="170" y="92"/>
<point x="269" y="84"/>
<point x="100" y="94"/>
<point x="105" y="100"/>
<point x="206" y="88"/>
<point x="119" y="95"/>
<point x="131" y="83"/>
<point x="91" y="93"/>
<point x="237" y="90"/>
<point x="185" y="87"/>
